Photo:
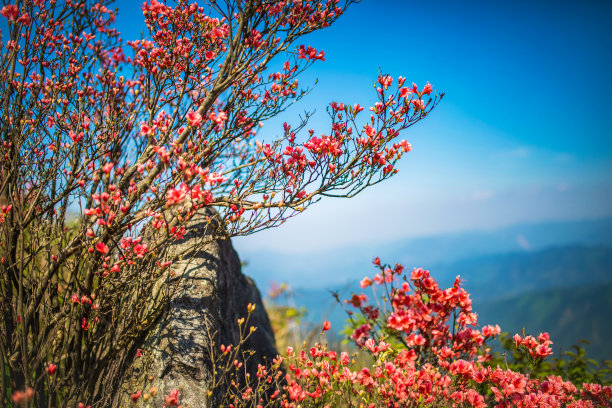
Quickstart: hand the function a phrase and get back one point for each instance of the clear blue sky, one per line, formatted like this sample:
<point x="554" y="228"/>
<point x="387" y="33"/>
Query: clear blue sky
<point x="523" y="134"/>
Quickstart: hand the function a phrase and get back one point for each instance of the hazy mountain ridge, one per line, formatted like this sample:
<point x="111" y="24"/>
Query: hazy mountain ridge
<point x="496" y="277"/>
<point x="567" y="314"/>
<point x="336" y="266"/>
<point x="502" y="276"/>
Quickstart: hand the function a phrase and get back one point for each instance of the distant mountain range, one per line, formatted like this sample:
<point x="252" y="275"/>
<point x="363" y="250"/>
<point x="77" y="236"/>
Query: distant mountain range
<point x="503" y="276"/>
<point x="339" y="266"/>
<point x="568" y="315"/>
<point x="553" y="276"/>
<point x="500" y="277"/>
<point x="564" y="290"/>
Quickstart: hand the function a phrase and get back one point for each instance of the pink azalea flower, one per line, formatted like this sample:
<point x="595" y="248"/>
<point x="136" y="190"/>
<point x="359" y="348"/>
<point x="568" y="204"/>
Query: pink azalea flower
<point x="145" y="129"/>
<point x="194" y="119"/>
<point x="365" y="282"/>
<point x="10" y="11"/>
<point x="102" y="248"/>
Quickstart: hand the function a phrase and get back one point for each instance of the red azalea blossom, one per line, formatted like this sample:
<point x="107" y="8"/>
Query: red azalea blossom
<point x="134" y="397"/>
<point x="51" y="369"/>
<point x="172" y="399"/>
<point x="21" y="397"/>
<point x="145" y="129"/>
<point x="102" y="248"/>
<point x="194" y="119"/>
<point x="326" y="326"/>
<point x="10" y="11"/>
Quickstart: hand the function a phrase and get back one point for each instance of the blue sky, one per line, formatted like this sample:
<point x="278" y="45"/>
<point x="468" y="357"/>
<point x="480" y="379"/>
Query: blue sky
<point x="523" y="133"/>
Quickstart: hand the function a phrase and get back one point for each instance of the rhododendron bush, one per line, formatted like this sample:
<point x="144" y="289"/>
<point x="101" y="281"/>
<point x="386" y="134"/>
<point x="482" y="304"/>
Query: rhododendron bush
<point x="426" y="350"/>
<point x="110" y="146"/>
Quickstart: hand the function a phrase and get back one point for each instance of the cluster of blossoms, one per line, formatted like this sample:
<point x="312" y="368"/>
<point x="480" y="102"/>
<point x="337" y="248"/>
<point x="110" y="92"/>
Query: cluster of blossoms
<point x="422" y="347"/>
<point x="420" y="317"/>
<point x="537" y="348"/>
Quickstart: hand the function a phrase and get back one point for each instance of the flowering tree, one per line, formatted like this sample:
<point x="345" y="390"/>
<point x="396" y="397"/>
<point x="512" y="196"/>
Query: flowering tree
<point x="109" y="148"/>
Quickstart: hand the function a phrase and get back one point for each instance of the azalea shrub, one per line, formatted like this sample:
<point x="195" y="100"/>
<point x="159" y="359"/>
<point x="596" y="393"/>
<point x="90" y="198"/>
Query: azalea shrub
<point x="110" y="146"/>
<point x="424" y="348"/>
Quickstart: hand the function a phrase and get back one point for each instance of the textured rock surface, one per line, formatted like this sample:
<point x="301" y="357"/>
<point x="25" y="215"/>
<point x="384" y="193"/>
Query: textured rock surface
<point x="209" y="295"/>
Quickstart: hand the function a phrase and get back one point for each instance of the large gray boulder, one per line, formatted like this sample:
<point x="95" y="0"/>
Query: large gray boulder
<point x="208" y="294"/>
